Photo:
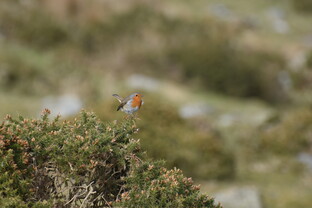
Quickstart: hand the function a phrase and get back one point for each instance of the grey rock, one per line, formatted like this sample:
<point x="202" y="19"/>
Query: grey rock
<point x="139" y="81"/>
<point x="297" y="61"/>
<point x="307" y="40"/>
<point x="239" y="197"/>
<point x="227" y="120"/>
<point x="285" y="81"/>
<point x="278" y="20"/>
<point x="251" y="22"/>
<point x="222" y="12"/>
<point x="305" y="159"/>
<point x="66" y="105"/>
<point x="195" y="110"/>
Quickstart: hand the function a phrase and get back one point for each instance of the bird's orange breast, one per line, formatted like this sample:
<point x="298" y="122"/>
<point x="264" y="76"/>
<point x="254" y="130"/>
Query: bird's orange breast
<point x="136" y="102"/>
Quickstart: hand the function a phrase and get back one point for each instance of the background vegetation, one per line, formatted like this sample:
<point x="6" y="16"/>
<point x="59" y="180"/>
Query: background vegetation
<point x="227" y="84"/>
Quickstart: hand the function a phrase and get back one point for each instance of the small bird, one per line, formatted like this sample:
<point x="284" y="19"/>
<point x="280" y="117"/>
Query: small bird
<point x="130" y="104"/>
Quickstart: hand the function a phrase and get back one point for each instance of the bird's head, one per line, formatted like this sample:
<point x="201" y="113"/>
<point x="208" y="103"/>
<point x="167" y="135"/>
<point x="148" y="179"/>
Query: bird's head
<point x="137" y="96"/>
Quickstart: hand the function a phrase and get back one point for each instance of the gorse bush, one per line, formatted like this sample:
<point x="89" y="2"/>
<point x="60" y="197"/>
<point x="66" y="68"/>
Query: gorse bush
<point x="83" y="163"/>
<point x="163" y="188"/>
<point x="61" y="161"/>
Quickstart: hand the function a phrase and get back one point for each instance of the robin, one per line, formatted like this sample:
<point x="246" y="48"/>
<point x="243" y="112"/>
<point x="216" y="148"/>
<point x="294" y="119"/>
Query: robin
<point x="130" y="104"/>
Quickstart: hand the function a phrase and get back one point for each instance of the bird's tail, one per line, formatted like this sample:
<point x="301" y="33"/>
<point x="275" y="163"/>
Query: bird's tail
<point x="119" y="98"/>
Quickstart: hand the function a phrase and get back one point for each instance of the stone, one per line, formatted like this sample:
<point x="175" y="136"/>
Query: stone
<point x="278" y="20"/>
<point x="297" y="61"/>
<point x="305" y="159"/>
<point x="222" y="11"/>
<point x="139" y="81"/>
<point x="65" y="105"/>
<point x="227" y="120"/>
<point x="239" y="197"/>
<point x="195" y="110"/>
<point x="285" y="80"/>
<point x="307" y="41"/>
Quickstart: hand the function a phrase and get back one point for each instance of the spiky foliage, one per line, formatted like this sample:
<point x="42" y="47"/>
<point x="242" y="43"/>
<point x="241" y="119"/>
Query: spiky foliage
<point x="80" y="163"/>
<point x="152" y="185"/>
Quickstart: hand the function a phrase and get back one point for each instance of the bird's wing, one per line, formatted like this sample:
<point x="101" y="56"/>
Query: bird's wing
<point x="119" y="98"/>
<point x="124" y="102"/>
<point x="120" y="106"/>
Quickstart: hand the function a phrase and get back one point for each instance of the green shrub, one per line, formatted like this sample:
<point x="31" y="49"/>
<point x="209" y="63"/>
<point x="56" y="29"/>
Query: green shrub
<point x="83" y="163"/>
<point x="196" y="50"/>
<point x="162" y="187"/>
<point x="198" y="153"/>
<point x="303" y="5"/>
<point x="290" y="135"/>
<point x="98" y="34"/>
<point x="208" y="53"/>
<point x="31" y="24"/>
<point x="218" y="65"/>
<point x="309" y="59"/>
<point x="28" y="71"/>
<point x="18" y="72"/>
<point x="55" y="160"/>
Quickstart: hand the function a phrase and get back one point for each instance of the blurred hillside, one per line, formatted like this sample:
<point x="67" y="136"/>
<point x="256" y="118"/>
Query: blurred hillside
<point x="227" y="84"/>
